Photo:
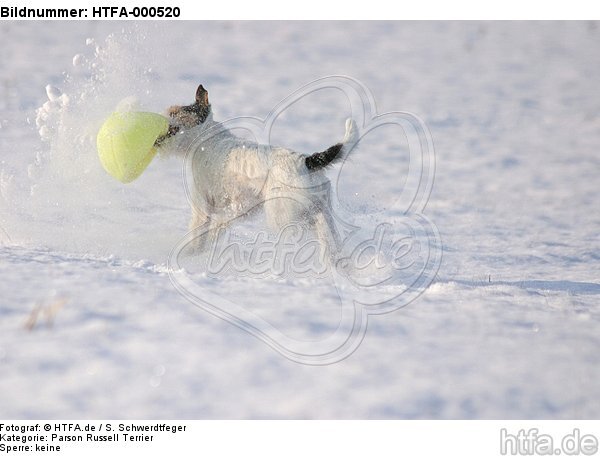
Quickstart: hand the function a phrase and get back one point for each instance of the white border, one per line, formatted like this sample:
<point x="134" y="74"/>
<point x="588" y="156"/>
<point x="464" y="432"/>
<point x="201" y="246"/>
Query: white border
<point x="345" y="10"/>
<point x="303" y="438"/>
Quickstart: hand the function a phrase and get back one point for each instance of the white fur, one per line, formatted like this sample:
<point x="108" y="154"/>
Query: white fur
<point x="232" y="176"/>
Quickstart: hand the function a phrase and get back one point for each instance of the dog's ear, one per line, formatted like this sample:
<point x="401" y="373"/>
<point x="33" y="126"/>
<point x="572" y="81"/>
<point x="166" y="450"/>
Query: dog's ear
<point x="202" y="96"/>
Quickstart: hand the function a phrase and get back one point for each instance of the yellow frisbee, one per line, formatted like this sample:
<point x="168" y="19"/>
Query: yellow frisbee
<point x="126" y="143"/>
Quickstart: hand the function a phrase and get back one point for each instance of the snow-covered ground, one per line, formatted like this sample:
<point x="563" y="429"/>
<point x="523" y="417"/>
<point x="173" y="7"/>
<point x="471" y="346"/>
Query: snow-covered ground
<point x="91" y="325"/>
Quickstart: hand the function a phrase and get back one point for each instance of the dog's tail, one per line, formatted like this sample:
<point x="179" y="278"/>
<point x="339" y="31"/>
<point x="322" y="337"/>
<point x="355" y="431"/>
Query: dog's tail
<point x="335" y="153"/>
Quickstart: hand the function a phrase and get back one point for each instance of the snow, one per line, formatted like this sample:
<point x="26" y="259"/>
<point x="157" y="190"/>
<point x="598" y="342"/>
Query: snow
<point x="91" y="325"/>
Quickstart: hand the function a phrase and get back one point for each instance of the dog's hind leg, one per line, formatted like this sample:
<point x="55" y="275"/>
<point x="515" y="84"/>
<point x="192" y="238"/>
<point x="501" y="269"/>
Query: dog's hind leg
<point x="327" y="233"/>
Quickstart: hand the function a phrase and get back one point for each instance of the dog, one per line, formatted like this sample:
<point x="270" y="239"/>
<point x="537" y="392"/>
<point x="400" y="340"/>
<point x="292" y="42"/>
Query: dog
<point x="232" y="176"/>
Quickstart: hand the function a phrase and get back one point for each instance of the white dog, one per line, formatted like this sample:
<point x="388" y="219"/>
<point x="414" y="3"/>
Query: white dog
<point x="233" y="176"/>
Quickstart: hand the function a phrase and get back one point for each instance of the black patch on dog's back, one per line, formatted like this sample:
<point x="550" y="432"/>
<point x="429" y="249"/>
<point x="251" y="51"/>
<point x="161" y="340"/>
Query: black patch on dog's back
<point x="322" y="159"/>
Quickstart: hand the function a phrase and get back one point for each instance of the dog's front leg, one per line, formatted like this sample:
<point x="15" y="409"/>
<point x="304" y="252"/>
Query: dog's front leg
<point x="197" y="221"/>
<point x="207" y="229"/>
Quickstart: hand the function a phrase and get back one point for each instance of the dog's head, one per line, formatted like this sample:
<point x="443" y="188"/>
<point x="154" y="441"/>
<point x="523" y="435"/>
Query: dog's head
<point x="191" y="115"/>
